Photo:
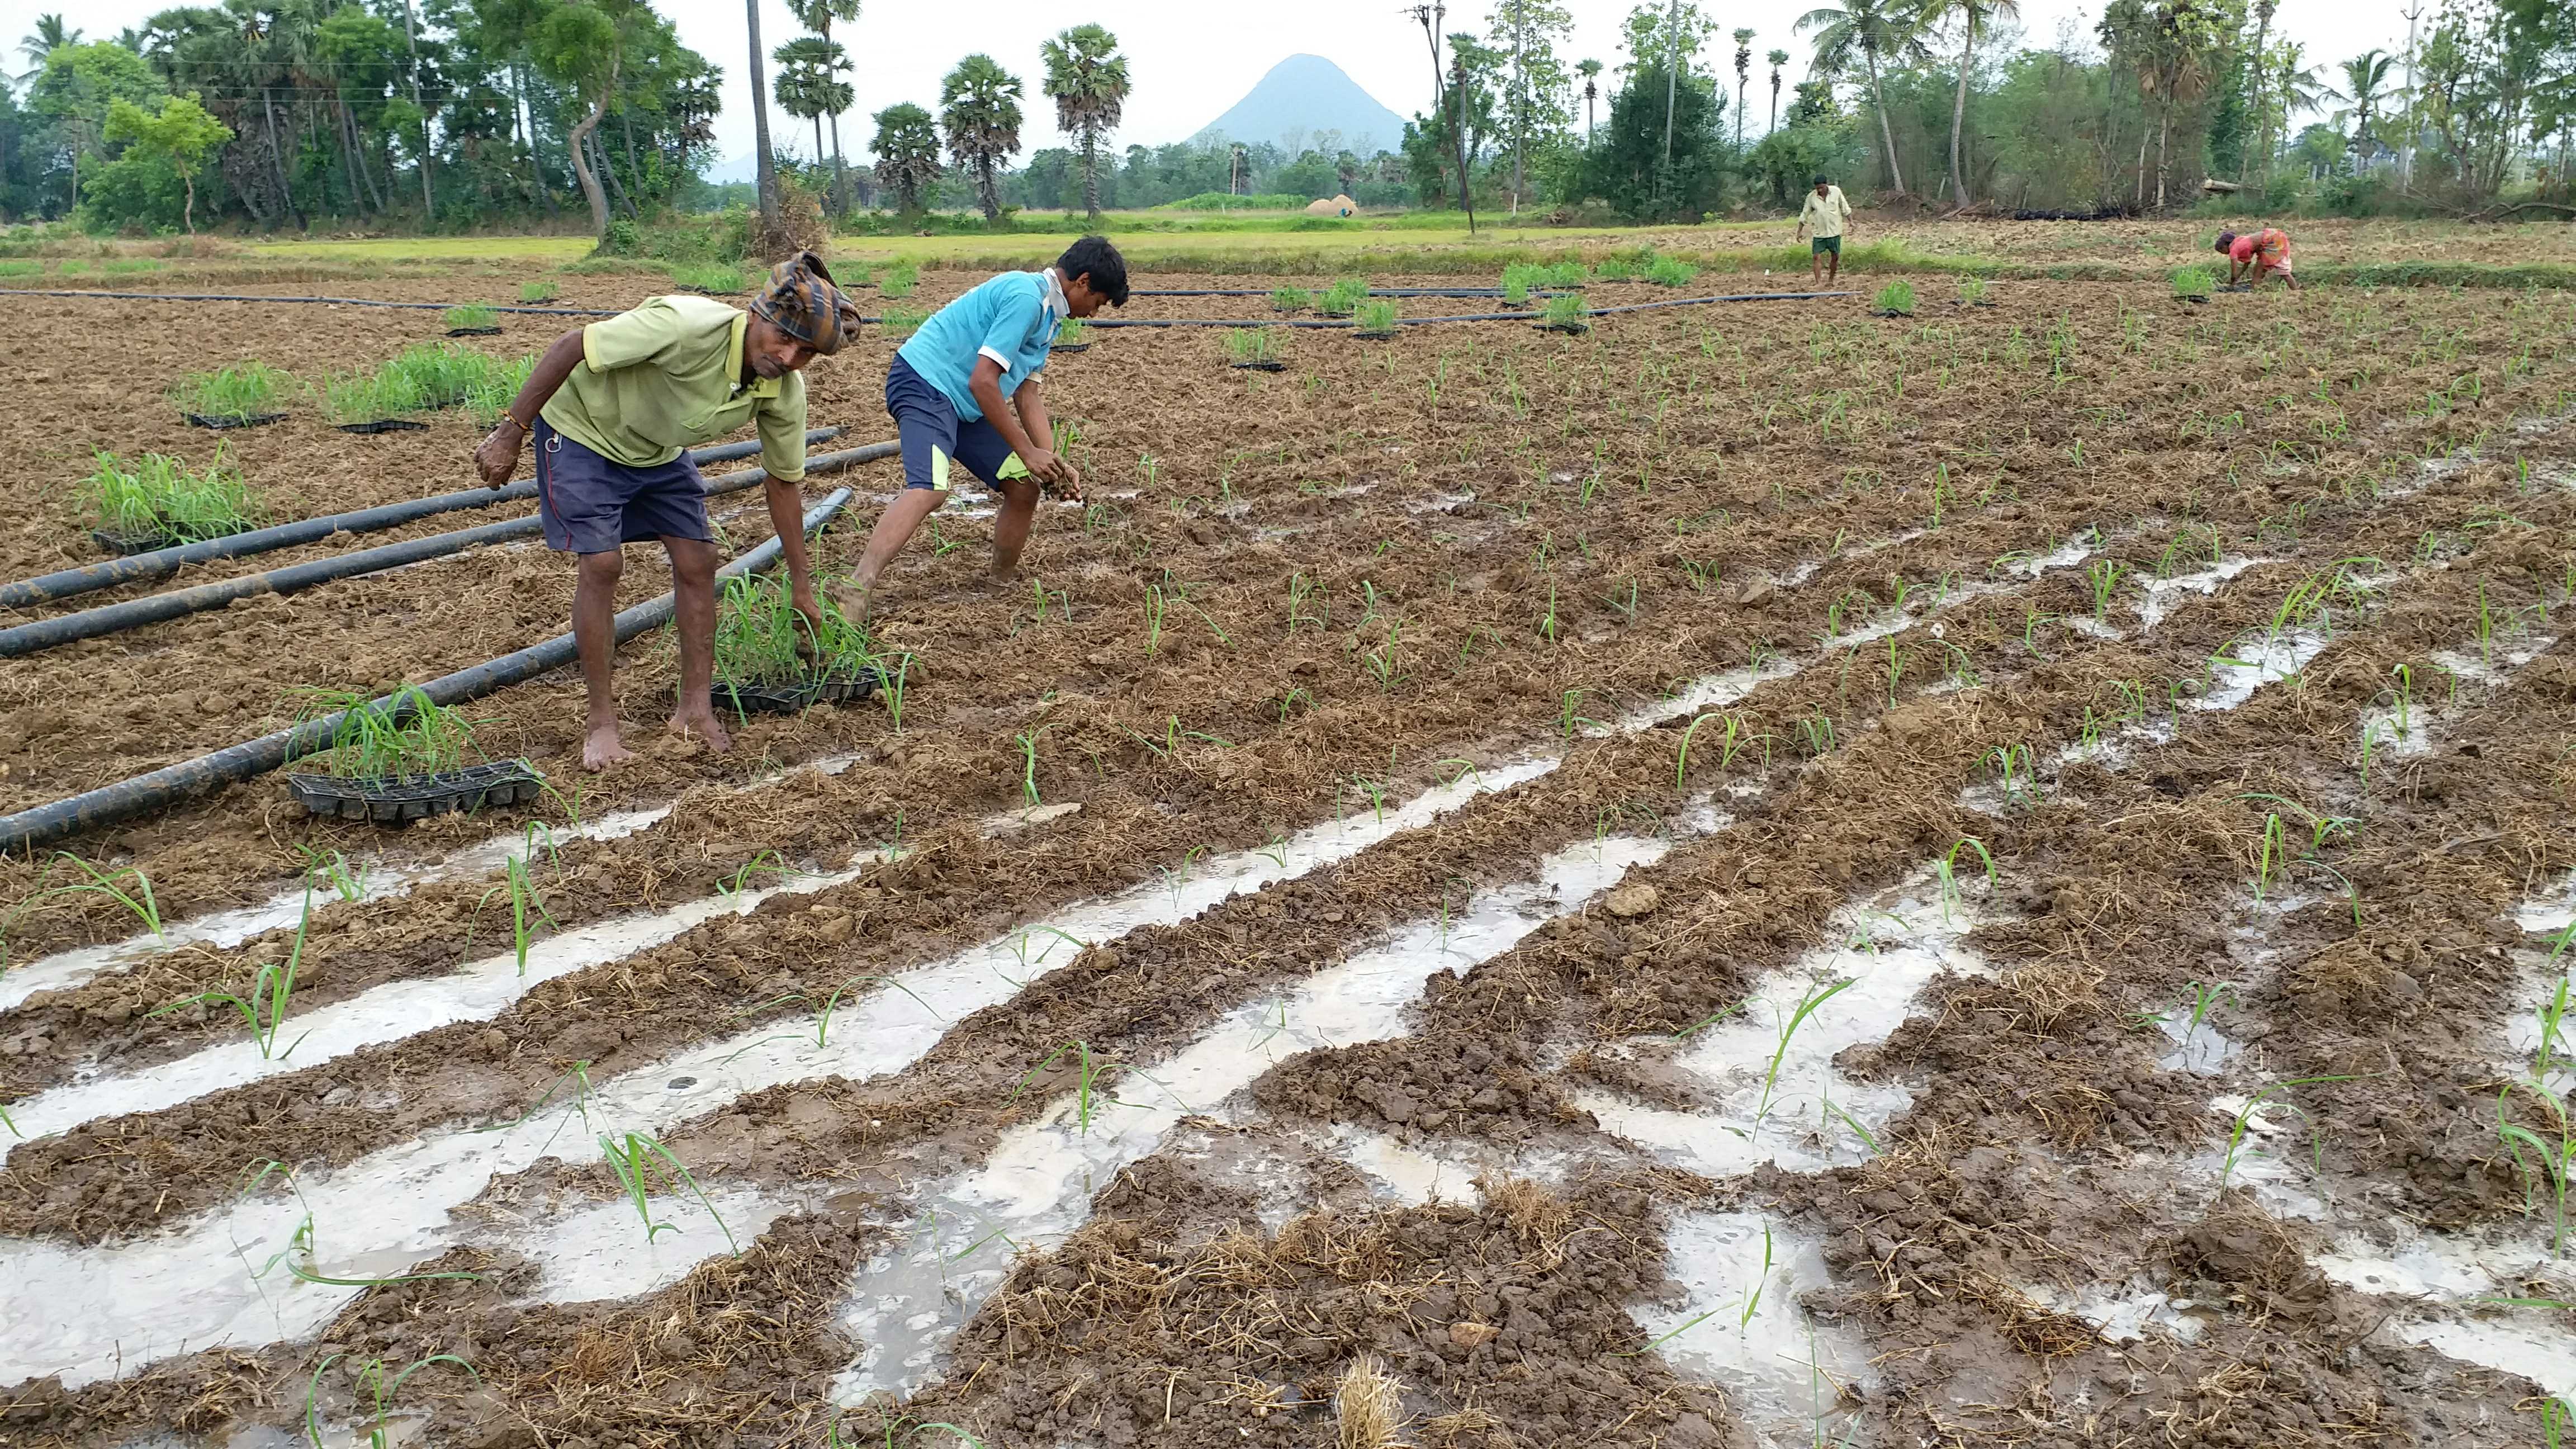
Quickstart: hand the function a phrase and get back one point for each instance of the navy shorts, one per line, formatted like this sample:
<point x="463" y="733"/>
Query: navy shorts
<point x="592" y="505"/>
<point x="934" y="436"/>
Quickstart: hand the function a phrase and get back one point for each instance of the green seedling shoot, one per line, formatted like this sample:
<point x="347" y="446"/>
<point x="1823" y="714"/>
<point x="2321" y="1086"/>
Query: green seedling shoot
<point x="638" y="1158"/>
<point x="2276" y="1093"/>
<point x="1814" y="997"/>
<point x="1089" y="1072"/>
<point x="272" y="990"/>
<point x="1947" y="870"/>
<point x="382" y="1387"/>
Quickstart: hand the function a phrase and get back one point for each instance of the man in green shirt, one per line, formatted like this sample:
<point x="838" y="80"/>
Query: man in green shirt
<point x="614" y="406"/>
<point x="1824" y="217"/>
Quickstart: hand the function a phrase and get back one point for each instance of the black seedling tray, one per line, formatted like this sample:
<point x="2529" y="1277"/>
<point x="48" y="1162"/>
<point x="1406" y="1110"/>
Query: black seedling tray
<point x="795" y="698"/>
<point x="1070" y="347"/>
<point x="1888" y="312"/>
<point x="2195" y="301"/>
<point x="1375" y="336"/>
<point x="246" y="420"/>
<point x="126" y="543"/>
<point x="1259" y="366"/>
<point x="703" y="292"/>
<point x="1571" y="329"/>
<point x="401" y="799"/>
<point x="385" y="425"/>
<point x="473" y="331"/>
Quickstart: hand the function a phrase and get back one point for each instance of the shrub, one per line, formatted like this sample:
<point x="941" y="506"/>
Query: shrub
<point x="159" y="496"/>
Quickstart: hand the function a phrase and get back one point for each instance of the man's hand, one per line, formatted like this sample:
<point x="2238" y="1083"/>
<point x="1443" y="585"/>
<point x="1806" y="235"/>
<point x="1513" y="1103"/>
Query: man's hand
<point x="498" y="455"/>
<point x="1052" y="470"/>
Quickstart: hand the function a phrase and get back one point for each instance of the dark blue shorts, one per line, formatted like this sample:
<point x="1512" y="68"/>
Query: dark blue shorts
<point x="592" y="505"/>
<point x="934" y="436"/>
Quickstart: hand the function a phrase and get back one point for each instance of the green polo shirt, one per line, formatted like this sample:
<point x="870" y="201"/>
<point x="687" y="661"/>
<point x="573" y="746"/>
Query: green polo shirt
<point x="666" y="376"/>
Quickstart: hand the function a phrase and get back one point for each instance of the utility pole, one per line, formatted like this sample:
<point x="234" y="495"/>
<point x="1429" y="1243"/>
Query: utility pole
<point x="1431" y="15"/>
<point x="1672" y="74"/>
<point x="2406" y="151"/>
<point x="411" y="39"/>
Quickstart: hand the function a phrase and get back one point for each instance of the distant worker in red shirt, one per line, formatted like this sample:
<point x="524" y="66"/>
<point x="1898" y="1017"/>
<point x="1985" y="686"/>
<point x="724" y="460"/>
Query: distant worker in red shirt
<point x="2257" y="254"/>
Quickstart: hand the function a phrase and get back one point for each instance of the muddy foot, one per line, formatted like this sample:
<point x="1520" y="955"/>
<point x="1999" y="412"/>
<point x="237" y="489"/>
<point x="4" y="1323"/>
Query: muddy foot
<point x="702" y="724"/>
<point x="601" y="748"/>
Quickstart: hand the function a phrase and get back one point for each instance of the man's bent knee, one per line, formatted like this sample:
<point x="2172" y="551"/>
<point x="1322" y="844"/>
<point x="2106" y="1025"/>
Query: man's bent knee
<point x="602" y="568"/>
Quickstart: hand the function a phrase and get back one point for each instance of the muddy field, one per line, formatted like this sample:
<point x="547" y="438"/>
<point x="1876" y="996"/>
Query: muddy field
<point x="1765" y="876"/>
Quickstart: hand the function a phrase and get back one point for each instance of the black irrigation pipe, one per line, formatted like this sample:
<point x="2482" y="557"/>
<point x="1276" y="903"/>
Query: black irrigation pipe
<point x="1373" y="291"/>
<point x="327" y="301"/>
<point x="177" y="603"/>
<point x="172" y="783"/>
<point x="1468" y="317"/>
<point x="162" y="562"/>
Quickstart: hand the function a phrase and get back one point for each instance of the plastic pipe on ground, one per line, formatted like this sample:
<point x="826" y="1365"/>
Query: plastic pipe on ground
<point x="134" y="613"/>
<point x="162" y="562"/>
<point x="325" y="301"/>
<point x="144" y="793"/>
<point x="1466" y="317"/>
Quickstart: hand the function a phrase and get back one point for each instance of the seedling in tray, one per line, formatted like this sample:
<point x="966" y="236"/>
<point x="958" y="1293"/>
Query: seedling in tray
<point x="538" y="293"/>
<point x="904" y="321"/>
<point x="1291" y="299"/>
<point x="1376" y="319"/>
<point x="1896" y="299"/>
<point x="1256" y="348"/>
<point x="234" y="396"/>
<point x="770" y="657"/>
<point x="401" y="760"/>
<point x="1343" y="297"/>
<point x="1564" y="312"/>
<point x="158" y="501"/>
<point x="472" y="320"/>
<point x="2192" y="284"/>
<point x="1072" y="335"/>
<point x="718" y="279"/>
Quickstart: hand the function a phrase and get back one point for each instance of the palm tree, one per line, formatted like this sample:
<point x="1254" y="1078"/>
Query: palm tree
<point x="979" y="108"/>
<point x="2292" y="88"/>
<point x="1743" y="76"/>
<point x="48" y="36"/>
<point x="1087" y="78"/>
<point x="2262" y="32"/>
<point x="1589" y="70"/>
<point x="764" y="163"/>
<point x="1973" y="15"/>
<point x="818" y="16"/>
<point x="907" y="147"/>
<point x="808" y="84"/>
<point x="2366" y="77"/>
<point x="1874" y="31"/>
<point x="1778" y="58"/>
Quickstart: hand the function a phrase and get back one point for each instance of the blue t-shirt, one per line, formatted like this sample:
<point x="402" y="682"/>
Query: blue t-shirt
<point x="1010" y="318"/>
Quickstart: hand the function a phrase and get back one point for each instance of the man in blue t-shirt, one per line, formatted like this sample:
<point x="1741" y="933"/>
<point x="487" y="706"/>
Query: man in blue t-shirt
<point x="946" y="389"/>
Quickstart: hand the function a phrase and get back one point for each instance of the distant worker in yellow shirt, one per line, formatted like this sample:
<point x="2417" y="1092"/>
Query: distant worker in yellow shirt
<point x="1823" y="218"/>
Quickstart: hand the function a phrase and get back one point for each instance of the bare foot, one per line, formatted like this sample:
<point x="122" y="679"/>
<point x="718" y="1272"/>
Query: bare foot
<point x="855" y="600"/>
<point x="701" y="721"/>
<point x="602" y="748"/>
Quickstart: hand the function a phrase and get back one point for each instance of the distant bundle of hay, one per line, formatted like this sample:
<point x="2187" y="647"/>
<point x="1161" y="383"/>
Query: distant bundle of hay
<point x="1336" y="206"/>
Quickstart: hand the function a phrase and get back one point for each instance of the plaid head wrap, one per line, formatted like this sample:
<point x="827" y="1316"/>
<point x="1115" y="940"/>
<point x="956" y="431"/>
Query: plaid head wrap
<point x="802" y="301"/>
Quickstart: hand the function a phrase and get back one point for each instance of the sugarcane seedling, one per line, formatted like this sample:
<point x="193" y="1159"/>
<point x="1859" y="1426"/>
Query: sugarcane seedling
<point x="271" y="992"/>
<point x="1089" y="1072"/>
<point x="2275" y="1094"/>
<point x="2016" y="770"/>
<point x="382" y="1387"/>
<point x="638" y="1159"/>
<point x="1808" y="1002"/>
<point x="2551" y="1149"/>
<point x="298" y="1254"/>
<point x="2206" y="996"/>
<point x="138" y="902"/>
<point x="1027" y="740"/>
<point x="347" y="881"/>
<point x="892" y="690"/>
<point x="1154" y="606"/>
<point x="1947" y="870"/>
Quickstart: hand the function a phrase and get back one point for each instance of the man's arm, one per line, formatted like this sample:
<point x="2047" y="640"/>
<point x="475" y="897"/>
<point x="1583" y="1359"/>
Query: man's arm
<point x="498" y="456"/>
<point x="986" y="386"/>
<point x="1030" y="402"/>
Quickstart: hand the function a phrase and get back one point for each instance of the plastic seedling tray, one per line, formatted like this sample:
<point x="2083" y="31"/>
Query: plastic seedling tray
<point x="1375" y="334"/>
<point x="145" y="542"/>
<point x="1571" y="329"/>
<point x="473" y="331"/>
<point x="1888" y="312"/>
<point x="750" y="698"/>
<point x="245" y="420"/>
<point x="385" y="425"/>
<point x="1265" y="366"/>
<point x="401" y="799"/>
<point x="1070" y="347"/>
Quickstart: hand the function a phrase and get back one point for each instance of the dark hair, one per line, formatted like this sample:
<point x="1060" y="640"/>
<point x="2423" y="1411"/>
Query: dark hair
<point x="1095" y="258"/>
<point x="1819" y="181"/>
<point x="2226" y="239"/>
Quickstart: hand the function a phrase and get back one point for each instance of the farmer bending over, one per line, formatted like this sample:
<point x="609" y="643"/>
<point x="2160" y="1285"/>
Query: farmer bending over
<point x="2257" y="254"/>
<point x="614" y="405"/>
<point x="946" y="387"/>
<point x="1823" y="217"/>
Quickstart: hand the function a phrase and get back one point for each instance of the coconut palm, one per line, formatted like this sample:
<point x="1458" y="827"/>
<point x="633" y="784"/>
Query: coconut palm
<point x="2292" y="88"/>
<point x="1590" y="70"/>
<point x="2254" y="61"/>
<point x="49" y="36"/>
<point x="1874" y="32"/>
<point x="979" y="108"/>
<point x="907" y="147"/>
<point x="2365" y="79"/>
<point x="765" y="163"/>
<point x="1743" y="76"/>
<point x="1778" y="58"/>
<point x="1973" y="16"/>
<point x="818" y="16"/>
<point x="1087" y="78"/>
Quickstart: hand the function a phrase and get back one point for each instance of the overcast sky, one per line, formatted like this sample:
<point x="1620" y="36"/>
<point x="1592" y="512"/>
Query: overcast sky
<point x="1190" y="60"/>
